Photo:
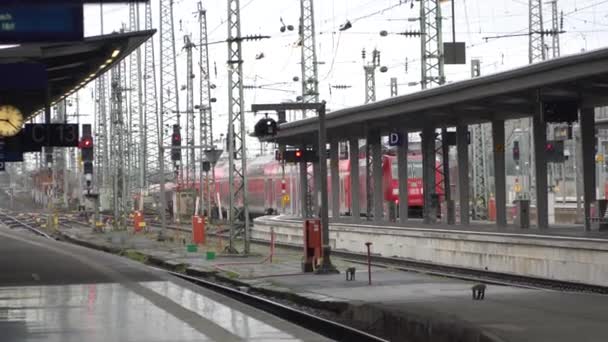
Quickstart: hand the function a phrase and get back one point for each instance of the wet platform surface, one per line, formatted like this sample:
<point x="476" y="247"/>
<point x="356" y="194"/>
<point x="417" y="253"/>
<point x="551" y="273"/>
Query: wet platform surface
<point x="508" y="313"/>
<point x="54" y="291"/>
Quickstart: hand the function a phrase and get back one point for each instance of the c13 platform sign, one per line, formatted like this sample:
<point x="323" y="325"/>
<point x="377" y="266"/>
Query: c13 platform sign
<point x="35" y="136"/>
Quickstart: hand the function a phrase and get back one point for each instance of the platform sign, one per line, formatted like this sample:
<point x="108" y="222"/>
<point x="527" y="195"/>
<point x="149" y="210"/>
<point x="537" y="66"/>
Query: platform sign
<point x="395" y="139"/>
<point x="26" y="23"/>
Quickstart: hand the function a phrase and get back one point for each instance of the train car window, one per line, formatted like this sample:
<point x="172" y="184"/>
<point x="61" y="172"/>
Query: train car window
<point x="414" y="169"/>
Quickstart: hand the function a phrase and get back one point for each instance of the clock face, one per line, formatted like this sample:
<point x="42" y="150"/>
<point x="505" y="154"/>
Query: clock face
<point x="11" y="120"/>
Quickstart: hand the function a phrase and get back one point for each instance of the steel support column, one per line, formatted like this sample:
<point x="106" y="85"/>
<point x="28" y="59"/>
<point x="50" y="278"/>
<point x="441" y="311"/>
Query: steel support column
<point x="355" y="206"/>
<point x="403" y="177"/>
<point x="500" y="178"/>
<point x="303" y="187"/>
<point x="447" y="185"/>
<point x="376" y="140"/>
<point x="587" y="131"/>
<point x="463" y="172"/>
<point x="540" y="141"/>
<point x="335" y="178"/>
<point x="316" y="187"/>
<point x="428" y="173"/>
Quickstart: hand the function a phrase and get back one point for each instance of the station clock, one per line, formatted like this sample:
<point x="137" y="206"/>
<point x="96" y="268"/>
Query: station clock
<point x="11" y="120"/>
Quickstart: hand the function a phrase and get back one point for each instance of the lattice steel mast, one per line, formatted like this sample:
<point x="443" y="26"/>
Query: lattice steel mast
<point x="152" y="121"/>
<point x="536" y="46"/>
<point x="370" y="96"/>
<point x="310" y="75"/>
<point x="481" y="139"/>
<point x="137" y="120"/>
<point x="118" y="132"/>
<point x="431" y="44"/>
<point x="101" y="132"/>
<point x="169" y="97"/>
<point x="238" y="213"/>
<point x="190" y="169"/>
<point x="206" y="124"/>
<point x="555" y="30"/>
<point x="205" y="112"/>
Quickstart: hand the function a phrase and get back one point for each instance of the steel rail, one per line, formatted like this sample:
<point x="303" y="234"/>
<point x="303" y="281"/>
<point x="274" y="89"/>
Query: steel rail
<point x="327" y="328"/>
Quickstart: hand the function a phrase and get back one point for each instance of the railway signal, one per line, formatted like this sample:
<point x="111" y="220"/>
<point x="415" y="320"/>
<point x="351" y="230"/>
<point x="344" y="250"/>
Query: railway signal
<point x="176" y="141"/>
<point x="554" y="151"/>
<point x="86" y="153"/>
<point x="297" y="156"/>
<point x="516" y="150"/>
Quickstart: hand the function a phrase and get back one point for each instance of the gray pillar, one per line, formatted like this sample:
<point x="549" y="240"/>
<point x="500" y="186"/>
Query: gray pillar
<point x="463" y="172"/>
<point x="316" y="192"/>
<point x="335" y="178"/>
<point x="355" y="207"/>
<point x="378" y="187"/>
<point x="304" y="190"/>
<point x="445" y="154"/>
<point x="428" y="173"/>
<point x="540" y="163"/>
<point x="402" y="177"/>
<point x="500" y="177"/>
<point x="587" y="130"/>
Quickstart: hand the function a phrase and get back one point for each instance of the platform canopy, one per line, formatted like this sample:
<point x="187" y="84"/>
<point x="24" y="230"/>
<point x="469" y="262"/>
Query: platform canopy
<point x="70" y="66"/>
<point x="506" y="95"/>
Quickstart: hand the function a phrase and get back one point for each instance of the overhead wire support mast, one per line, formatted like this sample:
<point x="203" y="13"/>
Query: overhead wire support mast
<point x="205" y="112"/>
<point x="190" y="169"/>
<point x="151" y="125"/>
<point x="370" y="96"/>
<point x="310" y="74"/>
<point x="236" y="135"/>
<point x="169" y="101"/>
<point x="137" y="127"/>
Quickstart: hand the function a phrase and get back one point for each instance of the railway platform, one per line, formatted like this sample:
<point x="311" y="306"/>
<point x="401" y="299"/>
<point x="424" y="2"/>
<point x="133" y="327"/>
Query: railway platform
<point x="56" y="291"/>
<point x="398" y="305"/>
<point x="561" y="253"/>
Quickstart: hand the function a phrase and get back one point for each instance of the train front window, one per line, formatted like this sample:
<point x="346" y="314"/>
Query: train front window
<point x="414" y="169"/>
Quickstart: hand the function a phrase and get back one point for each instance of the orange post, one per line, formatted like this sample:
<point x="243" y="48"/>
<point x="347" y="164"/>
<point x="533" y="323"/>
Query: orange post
<point x="492" y="209"/>
<point x="198" y="229"/>
<point x="138" y="221"/>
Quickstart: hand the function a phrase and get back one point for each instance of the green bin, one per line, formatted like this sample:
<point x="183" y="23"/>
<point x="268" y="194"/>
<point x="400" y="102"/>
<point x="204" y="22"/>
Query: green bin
<point x="210" y="255"/>
<point x="192" y="248"/>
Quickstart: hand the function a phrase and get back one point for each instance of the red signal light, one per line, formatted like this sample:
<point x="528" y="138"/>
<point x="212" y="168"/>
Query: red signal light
<point x="298" y="154"/>
<point x="86" y="142"/>
<point x="549" y="147"/>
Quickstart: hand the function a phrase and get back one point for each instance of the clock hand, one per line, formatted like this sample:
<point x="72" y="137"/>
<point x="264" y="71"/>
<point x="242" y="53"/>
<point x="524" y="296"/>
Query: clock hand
<point x="10" y="123"/>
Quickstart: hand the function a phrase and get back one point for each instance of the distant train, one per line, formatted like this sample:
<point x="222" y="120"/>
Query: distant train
<point x="264" y="193"/>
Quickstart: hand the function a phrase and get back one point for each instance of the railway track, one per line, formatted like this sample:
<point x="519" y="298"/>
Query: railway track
<point x="470" y="274"/>
<point x="325" y="327"/>
<point x="10" y="220"/>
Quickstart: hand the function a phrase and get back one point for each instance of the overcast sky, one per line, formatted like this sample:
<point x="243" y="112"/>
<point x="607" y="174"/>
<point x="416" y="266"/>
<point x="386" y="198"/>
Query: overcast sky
<point x="585" y="23"/>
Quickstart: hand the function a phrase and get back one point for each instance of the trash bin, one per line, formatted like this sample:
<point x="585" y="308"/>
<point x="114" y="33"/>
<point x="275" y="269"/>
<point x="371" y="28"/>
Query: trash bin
<point x="522" y="213"/>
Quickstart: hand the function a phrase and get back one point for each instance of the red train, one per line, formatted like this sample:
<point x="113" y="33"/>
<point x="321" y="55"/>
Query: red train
<point x="264" y="189"/>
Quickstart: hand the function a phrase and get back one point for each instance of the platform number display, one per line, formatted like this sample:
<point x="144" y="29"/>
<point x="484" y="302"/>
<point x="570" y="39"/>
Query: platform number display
<point x="394" y="139"/>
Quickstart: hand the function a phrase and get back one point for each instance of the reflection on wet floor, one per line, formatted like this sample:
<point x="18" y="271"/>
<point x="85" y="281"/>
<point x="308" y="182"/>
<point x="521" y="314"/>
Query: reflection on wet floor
<point x="237" y="322"/>
<point x="95" y="312"/>
<point x="144" y="311"/>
